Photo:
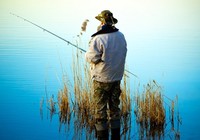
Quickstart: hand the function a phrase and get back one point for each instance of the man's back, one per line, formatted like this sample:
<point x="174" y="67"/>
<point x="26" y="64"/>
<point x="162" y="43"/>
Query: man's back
<point x="111" y="49"/>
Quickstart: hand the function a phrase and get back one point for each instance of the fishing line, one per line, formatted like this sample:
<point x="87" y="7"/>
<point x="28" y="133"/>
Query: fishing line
<point x="68" y="42"/>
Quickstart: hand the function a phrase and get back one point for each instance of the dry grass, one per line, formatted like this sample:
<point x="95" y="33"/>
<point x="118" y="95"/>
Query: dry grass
<point x="64" y="105"/>
<point x="125" y="106"/>
<point x="83" y="106"/>
<point x="51" y="105"/>
<point x="150" y="111"/>
<point x="84" y="26"/>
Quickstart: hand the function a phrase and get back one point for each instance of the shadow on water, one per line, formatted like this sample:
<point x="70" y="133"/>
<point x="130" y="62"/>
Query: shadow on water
<point x="154" y="115"/>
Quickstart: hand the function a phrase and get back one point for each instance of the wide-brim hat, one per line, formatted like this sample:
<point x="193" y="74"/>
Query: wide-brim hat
<point x="106" y="16"/>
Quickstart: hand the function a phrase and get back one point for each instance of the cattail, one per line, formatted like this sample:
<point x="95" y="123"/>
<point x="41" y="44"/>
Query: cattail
<point x="84" y="25"/>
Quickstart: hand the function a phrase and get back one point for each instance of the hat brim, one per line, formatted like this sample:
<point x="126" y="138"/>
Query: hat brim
<point x="100" y="18"/>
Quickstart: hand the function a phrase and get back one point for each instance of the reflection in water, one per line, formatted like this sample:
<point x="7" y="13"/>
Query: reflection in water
<point x="150" y="112"/>
<point x="78" y="109"/>
<point x="154" y="115"/>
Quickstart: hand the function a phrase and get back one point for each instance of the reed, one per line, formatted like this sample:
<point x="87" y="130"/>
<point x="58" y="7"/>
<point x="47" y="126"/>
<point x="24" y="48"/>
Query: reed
<point x="125" y="106"/>
<point x="84" y="26"/>
<point x="51" y="105"/>
<point x="149" y="109"/>
<point x="83" y="103"/>
<point x="83" y="106"/>
<point x="64" y="105"/>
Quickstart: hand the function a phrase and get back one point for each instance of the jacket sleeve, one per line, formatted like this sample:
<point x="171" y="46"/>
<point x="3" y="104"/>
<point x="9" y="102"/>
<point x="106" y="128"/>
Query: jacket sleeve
<point x="94" y="52"/>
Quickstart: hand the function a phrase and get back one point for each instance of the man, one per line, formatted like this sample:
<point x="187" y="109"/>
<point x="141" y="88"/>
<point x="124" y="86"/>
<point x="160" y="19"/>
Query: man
<point x="107" y="54"/>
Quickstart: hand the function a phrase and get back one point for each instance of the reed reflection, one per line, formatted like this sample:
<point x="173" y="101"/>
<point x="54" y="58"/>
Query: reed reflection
<point x="154" y="113"/>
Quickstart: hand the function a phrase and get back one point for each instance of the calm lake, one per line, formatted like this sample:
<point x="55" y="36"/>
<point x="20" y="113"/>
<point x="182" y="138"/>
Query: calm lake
<point x="32" y="63"/>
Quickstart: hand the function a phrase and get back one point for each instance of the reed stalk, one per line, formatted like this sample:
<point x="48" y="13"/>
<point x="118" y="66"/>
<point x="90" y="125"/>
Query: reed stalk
<point x="149" y="110"/>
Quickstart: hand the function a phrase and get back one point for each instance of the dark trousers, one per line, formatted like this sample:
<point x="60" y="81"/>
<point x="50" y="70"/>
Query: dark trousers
<point x="106" y="100"/>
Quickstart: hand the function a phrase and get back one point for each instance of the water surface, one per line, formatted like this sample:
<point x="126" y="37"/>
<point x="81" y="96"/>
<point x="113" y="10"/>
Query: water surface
<point x="32" y="60"/>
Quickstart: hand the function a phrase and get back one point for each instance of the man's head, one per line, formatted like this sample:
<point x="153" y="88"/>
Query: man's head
<point x="106" y="17"/>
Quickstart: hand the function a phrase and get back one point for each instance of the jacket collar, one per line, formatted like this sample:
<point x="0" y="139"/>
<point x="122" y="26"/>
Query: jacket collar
<point x="105" y="29"/>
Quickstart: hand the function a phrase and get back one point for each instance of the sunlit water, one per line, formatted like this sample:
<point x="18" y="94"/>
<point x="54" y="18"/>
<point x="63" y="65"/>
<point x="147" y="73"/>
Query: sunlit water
<point x="31" y="64"/>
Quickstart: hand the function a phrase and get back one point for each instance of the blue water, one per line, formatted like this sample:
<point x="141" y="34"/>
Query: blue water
<point x="31" y="60"/>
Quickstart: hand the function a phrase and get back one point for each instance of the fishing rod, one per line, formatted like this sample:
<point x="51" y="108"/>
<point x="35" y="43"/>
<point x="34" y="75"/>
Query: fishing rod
<point x="45" y="30"/>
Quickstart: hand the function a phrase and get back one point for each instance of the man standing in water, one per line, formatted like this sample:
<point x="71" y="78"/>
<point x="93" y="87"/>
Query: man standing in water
<point x="107" y="54"/>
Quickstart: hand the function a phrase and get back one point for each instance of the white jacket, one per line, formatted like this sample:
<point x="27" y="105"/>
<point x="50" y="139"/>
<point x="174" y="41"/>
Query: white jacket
<point x="107" y="54"/>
